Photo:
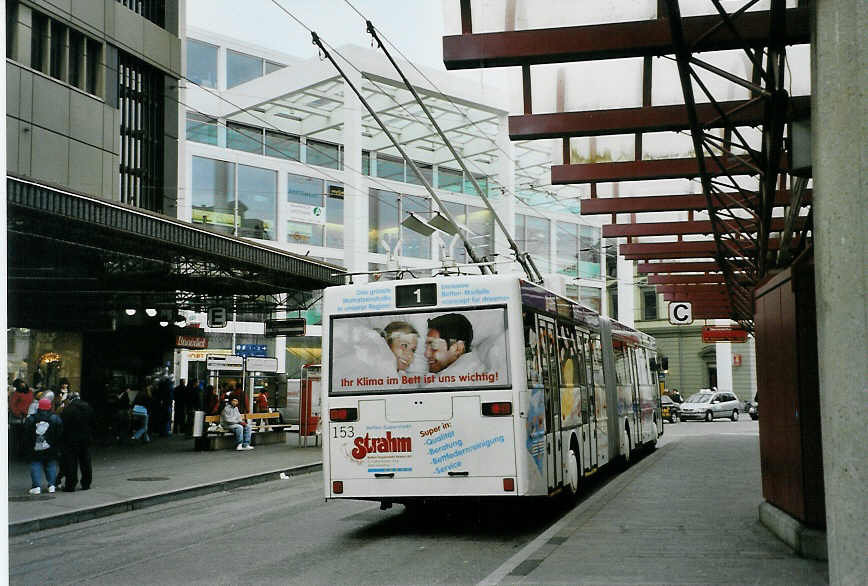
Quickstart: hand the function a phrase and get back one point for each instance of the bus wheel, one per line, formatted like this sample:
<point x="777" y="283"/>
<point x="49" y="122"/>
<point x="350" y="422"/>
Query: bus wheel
<point x="574" y="472"/>
<point x="628" y="445"/>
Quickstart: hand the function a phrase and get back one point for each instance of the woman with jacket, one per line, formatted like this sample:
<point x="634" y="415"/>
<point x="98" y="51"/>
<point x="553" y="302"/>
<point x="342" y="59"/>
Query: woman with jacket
<point x="44" y="432"/>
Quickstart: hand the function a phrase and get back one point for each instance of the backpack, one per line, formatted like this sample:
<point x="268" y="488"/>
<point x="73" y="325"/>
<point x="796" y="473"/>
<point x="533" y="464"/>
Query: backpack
<point x="19" y="402"/>
<point x="41" y="443"/>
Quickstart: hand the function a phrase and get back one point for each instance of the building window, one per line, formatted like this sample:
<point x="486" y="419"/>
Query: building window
<point x="140" y="101"/>
<point x="283" y="146"/>
<point x="323" y="154"/>
<point x="214" y="194"/>
<point x="427" y="172"/>
<point x="613" y="301"/>
<point x="383" y="221"/>
<point x="449" y="179"/>
<point x="93" y="71"/>
<point x="202" y="63"/>
<point x="58" y="53"/>
<point x="201" y="128"/>
<point x="244" y="138"/>
<point x="335" y="216"/>
<point x="414" y="244"/>
<point x="483" y="184"/>
<point x="649" y="304"/>
<point x="153" y="10"/>
<point x="591" y="297"/>
<point x="389" y="167"/>
<point x="480" y="225"/>
<point x="366" y="163"/>
<point x="612" y="257"/>
<point x="76" y="58"/>
<point x="241" y="68"/>
<point x="307" y="221"/>
<point x="534" y="234"/>
<point x="271" y="67"/>
<point x="39" y="42"/>
<point x="567" y="242"/>
<point x="11" y="29"/>
<point x="257" y="202"/>
<point x="589" y="252"/>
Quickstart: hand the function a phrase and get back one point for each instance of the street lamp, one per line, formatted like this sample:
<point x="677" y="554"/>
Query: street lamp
<point x="130" y="311"/>
<point x="151" y="312"/>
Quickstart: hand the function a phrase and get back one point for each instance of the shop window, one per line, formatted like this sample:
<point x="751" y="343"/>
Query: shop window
<point x="323" y="154"/>
<point x="202" y="63"/>
<point x="389" y="167"/>
<point x="281" y="145"/>
<point x="449" y="179"/>
<point x="244" y="138"/>
<point x="201" y="128"/>
<point x="241" y="68"/>
<point x="214" y="194"/>
<point x="383" y="220"/>
<point x="257" y="202"/>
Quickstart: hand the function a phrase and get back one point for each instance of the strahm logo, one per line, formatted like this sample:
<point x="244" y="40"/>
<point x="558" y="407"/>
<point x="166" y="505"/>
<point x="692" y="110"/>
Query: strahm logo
<point x="380" y="445"/>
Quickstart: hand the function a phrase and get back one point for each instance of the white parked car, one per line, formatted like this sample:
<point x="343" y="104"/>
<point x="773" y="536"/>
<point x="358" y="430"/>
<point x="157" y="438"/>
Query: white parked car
<point x="709" y="405"/>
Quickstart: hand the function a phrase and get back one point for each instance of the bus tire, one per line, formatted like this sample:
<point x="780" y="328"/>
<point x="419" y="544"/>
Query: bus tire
<point x="628" y="445"/>
<point x="574" y="470"/>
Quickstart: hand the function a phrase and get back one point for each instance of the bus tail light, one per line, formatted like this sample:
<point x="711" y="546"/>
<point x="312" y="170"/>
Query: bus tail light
<point x="499" y="409"/>
<point x="509" y="485"/>
<point x="338" y="487"/>
<point x="344" y="414"/>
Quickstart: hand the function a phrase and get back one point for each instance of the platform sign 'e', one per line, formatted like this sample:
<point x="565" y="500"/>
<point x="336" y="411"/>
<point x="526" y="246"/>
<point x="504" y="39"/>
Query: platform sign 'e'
<point x="681" y="313"/>
<point x="217" y="317"/>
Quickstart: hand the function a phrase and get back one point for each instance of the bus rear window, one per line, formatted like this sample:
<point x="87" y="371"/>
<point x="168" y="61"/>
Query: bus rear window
<point x="419" y="351"/>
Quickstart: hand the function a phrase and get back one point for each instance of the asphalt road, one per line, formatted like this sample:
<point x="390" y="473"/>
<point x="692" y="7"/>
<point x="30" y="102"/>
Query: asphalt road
<point x="283" y="532"/>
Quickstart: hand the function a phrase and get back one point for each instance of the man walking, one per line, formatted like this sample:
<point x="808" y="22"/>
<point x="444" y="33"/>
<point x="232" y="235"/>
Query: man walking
<point x="78" y="418"/>
<point x="179" y="424"/>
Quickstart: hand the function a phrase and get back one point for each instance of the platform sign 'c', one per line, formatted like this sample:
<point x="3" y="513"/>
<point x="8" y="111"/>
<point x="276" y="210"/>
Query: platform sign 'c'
<point x="681" y="313"/>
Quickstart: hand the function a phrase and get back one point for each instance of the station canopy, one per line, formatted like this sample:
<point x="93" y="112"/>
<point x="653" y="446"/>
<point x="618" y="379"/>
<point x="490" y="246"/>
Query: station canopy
<point x="76" y="262"/>
<point x="741" y="206"/>
<point x="307" y="100"/>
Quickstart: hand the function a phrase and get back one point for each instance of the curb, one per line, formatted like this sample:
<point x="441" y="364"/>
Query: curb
<point x="87" y="514"/>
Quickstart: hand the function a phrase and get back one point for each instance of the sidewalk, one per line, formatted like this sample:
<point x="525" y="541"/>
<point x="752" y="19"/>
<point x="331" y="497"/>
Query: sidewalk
<point x="135" y="476"/>
<point x="685" y="514"/>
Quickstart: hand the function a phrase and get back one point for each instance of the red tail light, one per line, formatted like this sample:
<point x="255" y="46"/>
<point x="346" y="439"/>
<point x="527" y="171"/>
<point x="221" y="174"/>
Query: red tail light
<point x="344" y="414"/>
<point x="509" y="484"/>
<point x="338" y="487"/>
<point x="500" y="409"/>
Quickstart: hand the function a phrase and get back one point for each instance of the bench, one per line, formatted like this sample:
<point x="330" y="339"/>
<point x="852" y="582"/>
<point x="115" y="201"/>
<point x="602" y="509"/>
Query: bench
<point x="263" y="431"/>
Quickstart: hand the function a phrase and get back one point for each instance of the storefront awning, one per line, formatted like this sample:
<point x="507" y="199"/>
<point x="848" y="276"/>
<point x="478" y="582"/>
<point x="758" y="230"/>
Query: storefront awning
<point x="75" y="258"/>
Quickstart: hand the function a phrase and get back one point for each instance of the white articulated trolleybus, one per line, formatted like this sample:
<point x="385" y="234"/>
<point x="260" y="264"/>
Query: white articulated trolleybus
<point x="477" y="386"/>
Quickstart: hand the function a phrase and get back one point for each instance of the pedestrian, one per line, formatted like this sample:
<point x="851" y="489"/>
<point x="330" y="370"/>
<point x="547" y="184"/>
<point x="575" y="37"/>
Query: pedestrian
<point x="60" y="395"/>
<point x="161" y="406"/>
<point x="212" y="401"/>
<point x="78" y="420"/>
<point x="20" y="399"/>
<point x="44" y="432"/>
<point x="180" y="411"/>
<point x="140" y="413"/>
<point x="676" y="396"/>
<point x="231" y="420"/>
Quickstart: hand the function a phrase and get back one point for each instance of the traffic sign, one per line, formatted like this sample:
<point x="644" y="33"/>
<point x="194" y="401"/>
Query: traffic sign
<point x="293" y="326"/>
<point x="223" y="362"/>
<point x="251" y="350"/>
<point x="261" y="364"/>
<point x="217" y="317"/>
<point x="680" y="313"/>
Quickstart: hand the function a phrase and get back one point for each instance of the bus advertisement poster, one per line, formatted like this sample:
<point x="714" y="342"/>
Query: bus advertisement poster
<point x="419" y="351"/>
